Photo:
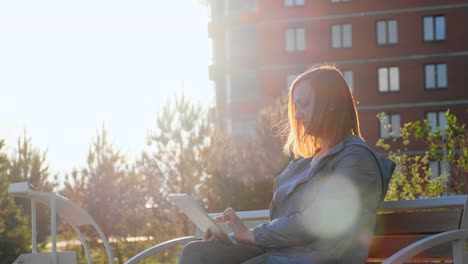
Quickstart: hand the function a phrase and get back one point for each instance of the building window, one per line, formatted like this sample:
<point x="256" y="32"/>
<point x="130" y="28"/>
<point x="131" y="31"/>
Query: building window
<point x="437" y="120"/>
<point x="243" y="127"/>
<point x="435" y="76"/>
<point x="339" y="1"/>
<point x="390" y="126"/>
<point x="289" y="80"/>
<point x="244" y="42"/>
<point x="434" y="28"/>
<point x="389" y="79"/>
<point x="438" y="168"/>
<point x="294" y="39"/>
<point x="245" y="87"/>
<point x="241" y="6"/>
<point x="293" y="2"/>
<point x="387" y="32"/>
<point x="342" y="36"/>
<point x="435" y="168"/>
<point x="348" y="76"/>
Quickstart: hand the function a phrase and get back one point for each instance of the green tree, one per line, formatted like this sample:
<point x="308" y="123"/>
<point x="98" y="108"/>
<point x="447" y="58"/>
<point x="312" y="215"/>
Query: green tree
<point x="264" y="154"/>
<point x="236" y="174"/>
<point x="114" y="195"/>
<point x="75" y="187"/>
<point x="101" y="188"/>
<point x="134" y="220"/>
<point x="14" y="234"/>
<point x="226" y="182"/>
<point x="181" y="135"/>
<point x="412" y="176"/>
<point x="449" y="144"/>
<point x="105" y="171"/>
<point x="28" y="163"/>
<point x="173" y="162"/>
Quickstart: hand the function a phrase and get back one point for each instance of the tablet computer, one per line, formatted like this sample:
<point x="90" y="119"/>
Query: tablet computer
<point x="199" y="216"/>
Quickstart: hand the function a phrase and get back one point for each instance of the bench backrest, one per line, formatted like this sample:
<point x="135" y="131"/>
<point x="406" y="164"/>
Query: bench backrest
<point x="400" y="223"/>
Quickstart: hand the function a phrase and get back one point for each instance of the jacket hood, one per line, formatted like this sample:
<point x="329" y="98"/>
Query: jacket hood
<point x="386" y="166"/>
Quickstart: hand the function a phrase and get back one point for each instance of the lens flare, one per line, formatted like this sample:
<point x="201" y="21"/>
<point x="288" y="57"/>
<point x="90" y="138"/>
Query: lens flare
<point x="334" y="210"/>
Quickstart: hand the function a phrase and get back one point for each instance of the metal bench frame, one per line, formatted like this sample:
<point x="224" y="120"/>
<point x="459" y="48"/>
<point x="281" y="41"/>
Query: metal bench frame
<point x="457" y="237"/>
<point x="77" y="217"/>
<point x="59" y="205"/>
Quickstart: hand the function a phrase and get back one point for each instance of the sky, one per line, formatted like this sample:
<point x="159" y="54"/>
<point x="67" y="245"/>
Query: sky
<point x="68" y="67"/>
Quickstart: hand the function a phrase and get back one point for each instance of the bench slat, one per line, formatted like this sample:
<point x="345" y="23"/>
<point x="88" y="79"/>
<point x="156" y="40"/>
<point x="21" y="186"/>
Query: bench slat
<point x="386" y="246"/>
<point x="427" y="203"/>
<point x="419" y="222"/>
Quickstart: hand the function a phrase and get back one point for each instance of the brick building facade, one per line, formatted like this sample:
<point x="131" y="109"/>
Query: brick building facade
<point x="408" y="59"/>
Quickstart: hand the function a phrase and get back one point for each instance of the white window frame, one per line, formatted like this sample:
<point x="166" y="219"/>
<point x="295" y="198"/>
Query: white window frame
<point x="295" y="39"/>
<point x="349" y="78"/>
<point x="438" y="168"/>
<point x="434" y="28"/>
<point x="390" y="126"/>
<point x="342" y="36"/>
<point x="229" y="126"/>
<point x="228" y="94"/>
<point x="435" y="76"/>
<point x="387" y="32"/>
<point x="290" y="3"/>
<point x="228" y="91"/>
<point x="435" y="169"/>
<point x="437" y="119"/>
<point x="388" y="79"/>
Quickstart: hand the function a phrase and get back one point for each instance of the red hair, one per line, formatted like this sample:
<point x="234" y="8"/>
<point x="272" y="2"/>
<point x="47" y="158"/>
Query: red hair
<point x="334" y="114"/>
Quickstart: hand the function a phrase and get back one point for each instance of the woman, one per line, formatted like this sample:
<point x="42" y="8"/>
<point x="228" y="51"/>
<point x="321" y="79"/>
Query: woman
<point x="325" y="202"/>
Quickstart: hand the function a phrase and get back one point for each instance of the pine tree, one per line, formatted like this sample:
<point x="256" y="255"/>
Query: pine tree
<point x="237" y="173"/>
<point x="105" y="171"/>
<point x="14" y="233"/>
<point x="176" y="145"/>
<point x="264" y="154"/>
<point x="28" y="163"/>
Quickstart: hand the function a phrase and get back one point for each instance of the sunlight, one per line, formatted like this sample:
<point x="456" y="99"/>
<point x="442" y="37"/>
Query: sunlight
<point x="67" y="68"/>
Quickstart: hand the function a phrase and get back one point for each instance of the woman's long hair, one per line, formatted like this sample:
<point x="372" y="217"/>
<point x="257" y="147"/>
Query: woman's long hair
<point x="334" y="115"/>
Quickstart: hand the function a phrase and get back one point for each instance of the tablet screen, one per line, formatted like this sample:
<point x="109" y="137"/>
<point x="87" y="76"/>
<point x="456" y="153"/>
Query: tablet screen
<point x="198" y="215"/>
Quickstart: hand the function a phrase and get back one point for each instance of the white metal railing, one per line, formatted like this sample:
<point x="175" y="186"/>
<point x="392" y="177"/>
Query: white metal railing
<point x="58" y="205"/>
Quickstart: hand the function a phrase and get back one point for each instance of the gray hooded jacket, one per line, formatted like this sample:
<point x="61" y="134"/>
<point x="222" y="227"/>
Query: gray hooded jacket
<point x="328" y="215"/>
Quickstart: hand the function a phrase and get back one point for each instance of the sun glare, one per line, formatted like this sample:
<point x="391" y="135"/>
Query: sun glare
<point x="67" y="68"/>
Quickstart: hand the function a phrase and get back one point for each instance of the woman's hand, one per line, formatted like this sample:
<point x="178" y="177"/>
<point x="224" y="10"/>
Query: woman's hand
<point x="241" y="232"/>
<point x="208" y="236"/>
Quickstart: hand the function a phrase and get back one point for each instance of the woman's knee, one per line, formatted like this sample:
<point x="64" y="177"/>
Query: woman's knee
<point x="196" y="252"/>
<point x="192" y="248"/>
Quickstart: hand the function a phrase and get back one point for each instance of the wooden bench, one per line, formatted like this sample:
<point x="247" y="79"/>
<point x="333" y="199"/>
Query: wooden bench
<point x="414" y="231"/>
